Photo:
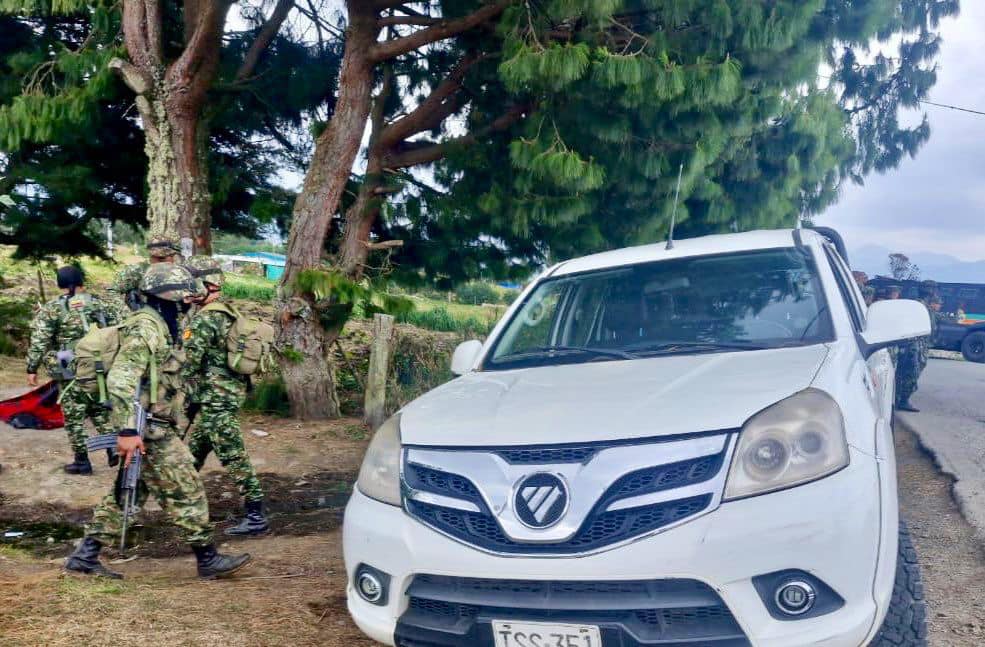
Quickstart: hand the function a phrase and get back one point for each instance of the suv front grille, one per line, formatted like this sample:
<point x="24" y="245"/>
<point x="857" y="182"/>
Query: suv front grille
<point x="601" y="527"/>
<point x="459" y="611"/>
<point x="543" y="455"/>
<point x="481" y="529"/>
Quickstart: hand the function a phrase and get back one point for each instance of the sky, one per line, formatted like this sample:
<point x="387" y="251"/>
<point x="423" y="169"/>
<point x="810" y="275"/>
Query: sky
<point x="935" y="202"/>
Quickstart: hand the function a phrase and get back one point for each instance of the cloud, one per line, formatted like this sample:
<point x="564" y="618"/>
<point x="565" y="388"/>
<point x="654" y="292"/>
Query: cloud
<point x="935" y="202"/>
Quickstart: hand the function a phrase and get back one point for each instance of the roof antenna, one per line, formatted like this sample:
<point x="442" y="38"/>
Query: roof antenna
<point x="673" y="214"/>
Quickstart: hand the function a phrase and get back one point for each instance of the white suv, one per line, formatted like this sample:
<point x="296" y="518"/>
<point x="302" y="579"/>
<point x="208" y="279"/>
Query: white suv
<point x="686" y="446"/>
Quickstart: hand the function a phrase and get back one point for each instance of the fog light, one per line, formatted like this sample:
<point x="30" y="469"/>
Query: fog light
<point x="795" y="597"/>
<point x="372" y="585"/>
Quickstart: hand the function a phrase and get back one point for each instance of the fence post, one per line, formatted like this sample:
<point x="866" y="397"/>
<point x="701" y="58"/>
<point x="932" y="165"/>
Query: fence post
<point x="379" y="364"/>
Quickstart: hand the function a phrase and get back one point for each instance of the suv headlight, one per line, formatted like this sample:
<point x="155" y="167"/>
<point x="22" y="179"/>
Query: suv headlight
<point x="379" y="476"/>
<point x="795" y="441"/>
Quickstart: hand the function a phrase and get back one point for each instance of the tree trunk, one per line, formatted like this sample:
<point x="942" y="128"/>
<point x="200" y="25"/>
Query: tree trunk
<point x="309" y="380"/>
<point x="359" y="221"/>
<point x="178" y="201"/>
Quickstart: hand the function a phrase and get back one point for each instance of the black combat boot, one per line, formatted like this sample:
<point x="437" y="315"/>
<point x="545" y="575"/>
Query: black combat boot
<point x="80" y="466"/>
<point x="212" y="564"/>
<point x="254" y="523"/>
<point x="906" y="406"/>
<point x="85" y="560"/>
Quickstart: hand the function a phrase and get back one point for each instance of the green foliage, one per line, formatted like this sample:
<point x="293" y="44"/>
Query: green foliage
<point x="73" y="153"/>
<point x="442" y="320"/>
<point x="477" y="293"/>
<point x="625" y="92"/>
<point x="332" y="288"/>
<point x="291" y="355"/>
<point x="250" y="288"/>
<point x="269" y="397"/>
<point x="15" y="326"/>
<point x="230" y="243"/>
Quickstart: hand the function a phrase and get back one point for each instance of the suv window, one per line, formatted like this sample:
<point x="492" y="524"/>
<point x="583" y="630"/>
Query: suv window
<point x="850" y="293"/>
<point x="743" y="300"/>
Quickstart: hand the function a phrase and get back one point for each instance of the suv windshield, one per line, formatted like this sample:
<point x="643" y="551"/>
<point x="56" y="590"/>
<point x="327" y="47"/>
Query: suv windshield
<point x="726" y="302"/>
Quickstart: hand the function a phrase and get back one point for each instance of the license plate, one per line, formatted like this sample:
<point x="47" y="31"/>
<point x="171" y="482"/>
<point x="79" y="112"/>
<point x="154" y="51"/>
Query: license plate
<point x="544" y="634"/>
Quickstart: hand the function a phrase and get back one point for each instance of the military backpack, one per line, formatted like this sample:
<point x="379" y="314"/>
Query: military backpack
<point x="97" y="350"/>
<point x="249" y="342"/>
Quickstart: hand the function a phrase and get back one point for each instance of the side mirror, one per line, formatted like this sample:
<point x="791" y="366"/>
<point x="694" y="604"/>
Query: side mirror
<point x="464" y="356"/>
<point x="894" y="321"/>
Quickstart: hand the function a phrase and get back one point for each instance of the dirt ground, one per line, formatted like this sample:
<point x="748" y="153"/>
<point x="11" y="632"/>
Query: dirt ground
<point x="294" y="592"/>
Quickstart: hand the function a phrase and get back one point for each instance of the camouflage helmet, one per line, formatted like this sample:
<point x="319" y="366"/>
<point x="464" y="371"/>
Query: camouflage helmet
<point x="163" y="247"/>
<point x="207" y="269"/>
<point x="170" y="282"/>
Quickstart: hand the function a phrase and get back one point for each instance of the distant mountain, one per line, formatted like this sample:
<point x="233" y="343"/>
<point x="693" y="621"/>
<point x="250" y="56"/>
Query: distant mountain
<point x="874" y="259"/>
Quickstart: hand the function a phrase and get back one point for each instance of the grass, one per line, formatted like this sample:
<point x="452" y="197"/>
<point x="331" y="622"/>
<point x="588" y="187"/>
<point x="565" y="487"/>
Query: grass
<point x="445" y="316"/>
<point x="249" y="288"/>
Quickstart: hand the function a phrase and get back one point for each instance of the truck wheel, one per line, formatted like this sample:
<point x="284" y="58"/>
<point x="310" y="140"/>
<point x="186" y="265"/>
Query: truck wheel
<point x="973" y="347"/>
<point x="906" y="622"/>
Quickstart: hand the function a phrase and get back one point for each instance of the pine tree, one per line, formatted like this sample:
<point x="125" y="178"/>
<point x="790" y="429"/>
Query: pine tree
<point x="611" y="98"/>
<point x="73" y="150"/>
<point x="730" y="91"/>
<point x="183" y="70"/>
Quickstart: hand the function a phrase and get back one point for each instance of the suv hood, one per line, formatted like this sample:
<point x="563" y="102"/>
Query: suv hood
<point x="608" y="400"/>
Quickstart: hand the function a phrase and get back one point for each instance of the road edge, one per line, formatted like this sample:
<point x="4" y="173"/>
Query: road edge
<point x="963" y="500"/>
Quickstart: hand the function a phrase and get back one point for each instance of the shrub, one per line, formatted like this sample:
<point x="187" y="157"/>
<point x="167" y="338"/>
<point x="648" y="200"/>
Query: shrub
<point x="270" y="397"/>
<point x="477" y="293"/>
<point x="249" y="288"/>
<point x="440" y="319"/>
<point x="15" y="326"/>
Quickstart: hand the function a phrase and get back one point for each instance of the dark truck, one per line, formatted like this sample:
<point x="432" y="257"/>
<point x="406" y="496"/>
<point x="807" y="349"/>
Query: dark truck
<point x="962" y="328"/>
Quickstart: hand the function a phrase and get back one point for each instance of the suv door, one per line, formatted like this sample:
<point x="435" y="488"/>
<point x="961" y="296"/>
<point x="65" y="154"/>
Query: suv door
<point x="881" y="370"/>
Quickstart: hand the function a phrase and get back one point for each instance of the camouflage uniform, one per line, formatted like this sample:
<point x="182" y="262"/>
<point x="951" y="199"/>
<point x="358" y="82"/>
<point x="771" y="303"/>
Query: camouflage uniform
<point x="127" y="281"/>
<point x="146" y="352"/>
<point x="168" y="467"/>
<point x="220" y="392"/>
<point x="913" y="357"/>
<point x="57" y="326"/>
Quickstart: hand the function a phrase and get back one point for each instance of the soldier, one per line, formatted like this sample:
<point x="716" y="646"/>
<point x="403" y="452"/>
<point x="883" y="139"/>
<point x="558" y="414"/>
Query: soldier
<point x="56" y="328"/>
<point x="146" y="358"/>
<point x="914" y="355"/>
<point x="127" y="281"/>
<point x="218" y="392"/>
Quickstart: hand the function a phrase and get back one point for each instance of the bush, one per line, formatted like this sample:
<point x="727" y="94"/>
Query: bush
<point x="440" y="319"/>
<point x="249" y="288"/>
<point x="508" y="296"/>
<point x="15" y="326"/>
<point x="477" y="293"/>
<point x="270" y="397"/>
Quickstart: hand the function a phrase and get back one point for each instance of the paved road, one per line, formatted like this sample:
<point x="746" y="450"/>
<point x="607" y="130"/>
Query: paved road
<point x="951" y="424"/>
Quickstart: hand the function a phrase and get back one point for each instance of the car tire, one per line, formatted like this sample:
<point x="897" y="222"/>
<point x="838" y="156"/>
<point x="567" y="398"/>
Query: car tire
<point x="973" y="347"/>
<point x="906" y="621"/>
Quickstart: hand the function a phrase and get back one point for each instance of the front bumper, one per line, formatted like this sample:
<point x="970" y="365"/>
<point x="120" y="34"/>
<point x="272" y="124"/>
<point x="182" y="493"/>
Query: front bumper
<point x="830" y="529"/>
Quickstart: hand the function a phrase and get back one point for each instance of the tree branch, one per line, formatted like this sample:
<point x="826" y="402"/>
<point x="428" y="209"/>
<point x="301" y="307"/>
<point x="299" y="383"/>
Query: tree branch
<point x="394" y="21"/>
<point x="434" y="109"/>
<point x="415" y="153"/>
<point x="264" y="37"/>
<point x="446" y="29"/>
<point x="195" y="69"/>
<point x="135" y="78"/>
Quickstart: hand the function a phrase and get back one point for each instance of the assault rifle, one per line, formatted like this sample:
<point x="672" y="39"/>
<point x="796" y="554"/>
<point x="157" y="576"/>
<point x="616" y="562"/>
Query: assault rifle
<point x="130" y="478"/>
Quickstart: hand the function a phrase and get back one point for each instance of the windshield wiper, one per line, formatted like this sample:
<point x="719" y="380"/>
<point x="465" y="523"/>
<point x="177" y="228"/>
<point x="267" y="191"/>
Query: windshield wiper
<point x="690" y="346"/>
<point x="547" y="350"/>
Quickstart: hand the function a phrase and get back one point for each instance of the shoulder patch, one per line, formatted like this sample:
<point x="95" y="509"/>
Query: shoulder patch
<point x="187" y="334"/>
